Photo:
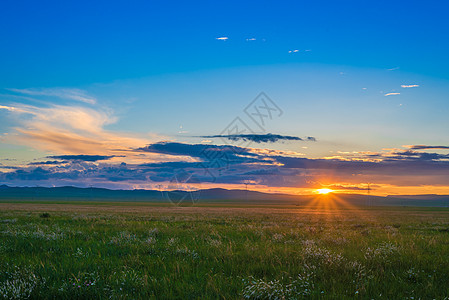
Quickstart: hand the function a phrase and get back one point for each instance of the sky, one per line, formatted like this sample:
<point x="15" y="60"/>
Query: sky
<point x="274" y="96"/>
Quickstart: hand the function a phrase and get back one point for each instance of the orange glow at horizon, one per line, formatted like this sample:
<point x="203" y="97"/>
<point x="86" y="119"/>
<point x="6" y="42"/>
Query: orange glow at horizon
<point x="324" y="191"/>
<point x="379" y="189"/>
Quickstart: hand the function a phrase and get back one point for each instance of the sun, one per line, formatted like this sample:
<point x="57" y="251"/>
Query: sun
<point x="324" y="191"/>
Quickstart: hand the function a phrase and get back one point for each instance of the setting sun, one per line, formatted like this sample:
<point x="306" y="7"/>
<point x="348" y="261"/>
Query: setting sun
<point x="324" y="191"/>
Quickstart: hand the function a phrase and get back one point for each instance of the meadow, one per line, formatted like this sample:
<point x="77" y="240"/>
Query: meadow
<point x="219" y="251"/>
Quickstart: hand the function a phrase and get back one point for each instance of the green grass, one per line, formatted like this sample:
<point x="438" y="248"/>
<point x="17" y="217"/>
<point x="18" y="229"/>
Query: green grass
<point x="141" y="251"/>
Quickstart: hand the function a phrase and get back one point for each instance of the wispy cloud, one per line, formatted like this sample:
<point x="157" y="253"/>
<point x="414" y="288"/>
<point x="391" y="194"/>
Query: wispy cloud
<point x="391" y="94"/>
<point x="222" y="38"/>
<point x="65" y="93"/>
<point x="405" y="86"/>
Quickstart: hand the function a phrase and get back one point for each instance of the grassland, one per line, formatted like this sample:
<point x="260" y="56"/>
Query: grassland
<point x="152" y="251"/>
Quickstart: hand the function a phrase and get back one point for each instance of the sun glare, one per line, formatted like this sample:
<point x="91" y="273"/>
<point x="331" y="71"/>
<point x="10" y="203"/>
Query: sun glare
<point x="324" y="191"/>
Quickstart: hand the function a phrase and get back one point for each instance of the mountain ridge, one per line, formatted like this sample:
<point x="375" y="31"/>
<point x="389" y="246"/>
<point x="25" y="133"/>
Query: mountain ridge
<point x="214" y="195"/>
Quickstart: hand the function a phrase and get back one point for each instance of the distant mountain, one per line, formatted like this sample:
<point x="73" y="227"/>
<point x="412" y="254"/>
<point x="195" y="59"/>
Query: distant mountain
<point x="70" y="193"/>
<point x="422" y="197"/>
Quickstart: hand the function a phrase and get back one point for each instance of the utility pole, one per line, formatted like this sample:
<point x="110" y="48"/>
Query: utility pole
<point x="159" y="187"/>
<point x="369" y="195"/>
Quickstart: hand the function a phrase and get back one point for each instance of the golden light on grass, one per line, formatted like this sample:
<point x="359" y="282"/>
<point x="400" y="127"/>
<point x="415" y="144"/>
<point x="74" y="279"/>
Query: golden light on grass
<point x="324" y="191"/>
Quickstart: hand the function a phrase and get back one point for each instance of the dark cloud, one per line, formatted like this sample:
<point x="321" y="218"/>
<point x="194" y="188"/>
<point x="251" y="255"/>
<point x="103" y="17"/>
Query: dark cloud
<point x="415" y="155"/>
<point x="224" y="154"/>
<point x="48" y="162"/>
<point x="192" y="150"/>
<point x="389" y="166"/>
<point x="27" y="175"/>
<point x="82" y="157"/>
<point x="260" y="138"/>
<point x="79" y="172"/>
<point x="171" y="165"/>
<point x="424" y="147"/>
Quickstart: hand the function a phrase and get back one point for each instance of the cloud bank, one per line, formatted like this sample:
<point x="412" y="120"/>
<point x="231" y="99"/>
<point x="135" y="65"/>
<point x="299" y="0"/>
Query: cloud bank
<point x="232" y="165"/>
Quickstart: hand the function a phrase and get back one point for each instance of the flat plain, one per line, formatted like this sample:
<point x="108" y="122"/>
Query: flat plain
<point x="113" y="250"/>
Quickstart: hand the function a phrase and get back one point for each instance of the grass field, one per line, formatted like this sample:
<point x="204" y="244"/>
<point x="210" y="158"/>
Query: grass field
<point x="140" y="251"/>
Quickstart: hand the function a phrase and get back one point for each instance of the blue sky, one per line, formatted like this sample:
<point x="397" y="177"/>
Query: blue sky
<point x="79" y="42"/>
<point x="363" y="78"/>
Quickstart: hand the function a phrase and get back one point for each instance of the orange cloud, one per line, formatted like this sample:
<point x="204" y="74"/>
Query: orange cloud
<point x="74" y="130"/>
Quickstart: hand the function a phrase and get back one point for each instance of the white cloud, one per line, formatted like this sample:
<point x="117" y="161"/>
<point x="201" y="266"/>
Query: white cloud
<point x="223" y="38"/>
<point x="65" y="93"/>
<point x="250" y="39"/>
<point x="409" y="86"/>
<point x="10" y="108"/>
<point x="392" y="94"/>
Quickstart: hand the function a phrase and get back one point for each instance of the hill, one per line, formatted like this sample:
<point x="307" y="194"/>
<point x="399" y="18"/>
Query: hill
<point x="70" y="193"/>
